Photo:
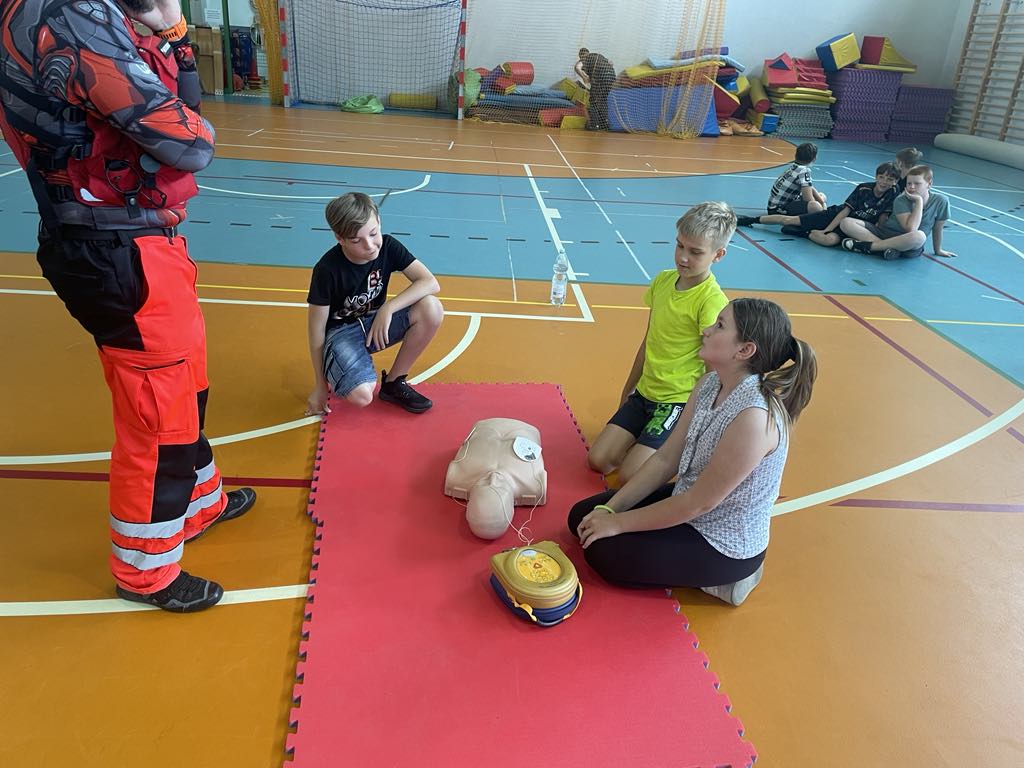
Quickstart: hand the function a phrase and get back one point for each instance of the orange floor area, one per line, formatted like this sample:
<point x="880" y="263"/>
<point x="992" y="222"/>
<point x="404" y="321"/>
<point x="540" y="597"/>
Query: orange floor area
<point x="879" y="636"/>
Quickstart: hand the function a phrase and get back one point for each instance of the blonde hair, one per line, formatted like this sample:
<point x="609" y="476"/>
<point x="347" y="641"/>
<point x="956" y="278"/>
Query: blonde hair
<point x="347" y="214"/>
<point x="921" y="170"/>
<point x="766" y="324"/>
<point x="713" y="221"/>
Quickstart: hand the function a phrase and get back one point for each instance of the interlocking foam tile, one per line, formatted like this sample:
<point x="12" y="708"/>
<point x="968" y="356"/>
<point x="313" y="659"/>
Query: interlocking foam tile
<point x="409" y="659"/>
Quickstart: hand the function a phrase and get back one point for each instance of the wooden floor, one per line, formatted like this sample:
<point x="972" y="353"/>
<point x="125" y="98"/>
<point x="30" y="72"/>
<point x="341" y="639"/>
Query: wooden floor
<point x="887" y="630"/>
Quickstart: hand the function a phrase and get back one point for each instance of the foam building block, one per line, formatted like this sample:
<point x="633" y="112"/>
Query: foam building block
<point x="780" y="71"/>
<point x="766" y="121"/>
<point x="879" y="51"/>
<point x="726" y="102"/>
<point x="838" y="52"/>
<point x="758" y="96"/>
<point x="521" y="72"/>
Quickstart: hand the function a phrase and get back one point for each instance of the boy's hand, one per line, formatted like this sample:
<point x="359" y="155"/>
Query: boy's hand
<point x="316" y="404"/>
<point x="915" y="199"/>
<point x="163" y="15"/>
<point x="378" y="335"/>
<point x="945" y="254"/>
<point x="599" y="524"/>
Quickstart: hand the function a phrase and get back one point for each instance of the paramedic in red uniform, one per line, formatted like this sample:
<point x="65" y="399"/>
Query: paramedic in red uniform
<point x="105" y="123"/>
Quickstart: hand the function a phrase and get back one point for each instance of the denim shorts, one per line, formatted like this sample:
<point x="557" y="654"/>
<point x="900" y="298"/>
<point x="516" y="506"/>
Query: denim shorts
<point x="649" y="422"/>
<point x="347" y="361"/>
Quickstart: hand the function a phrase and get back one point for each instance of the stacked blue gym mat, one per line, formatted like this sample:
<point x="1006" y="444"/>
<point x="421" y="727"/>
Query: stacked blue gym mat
<point x="865" y="99"/>
<point x="920" y="114"/>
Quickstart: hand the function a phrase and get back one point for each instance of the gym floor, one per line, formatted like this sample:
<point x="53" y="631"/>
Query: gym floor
<point x="887" y="628"/>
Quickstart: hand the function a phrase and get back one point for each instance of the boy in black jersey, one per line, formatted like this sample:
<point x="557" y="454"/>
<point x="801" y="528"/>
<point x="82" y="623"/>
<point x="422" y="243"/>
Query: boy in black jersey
<point x="868" y="202"/>
<point x="351" y="317"/>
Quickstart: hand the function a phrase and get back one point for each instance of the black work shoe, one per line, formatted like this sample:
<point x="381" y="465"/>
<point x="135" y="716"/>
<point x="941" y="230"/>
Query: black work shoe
<point x="186" y="594"/>
<point x="794" y="231"/>
<point x="400" y="393"/>
<point x="239" y="502"/>
<point x="891" y="254"/>
<point x="747" y="221"/>
<point x="860" y="246"/>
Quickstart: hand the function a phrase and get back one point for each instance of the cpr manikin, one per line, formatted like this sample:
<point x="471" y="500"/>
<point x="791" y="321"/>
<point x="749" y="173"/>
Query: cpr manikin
<point x="499" y="466"/>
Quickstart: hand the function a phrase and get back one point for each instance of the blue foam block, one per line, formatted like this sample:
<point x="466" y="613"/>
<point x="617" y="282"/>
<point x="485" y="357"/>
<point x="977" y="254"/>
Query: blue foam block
<point x="642" y="108"/>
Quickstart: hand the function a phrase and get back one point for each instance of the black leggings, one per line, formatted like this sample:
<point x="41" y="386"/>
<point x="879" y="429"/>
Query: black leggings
<point x="669" y="557"/>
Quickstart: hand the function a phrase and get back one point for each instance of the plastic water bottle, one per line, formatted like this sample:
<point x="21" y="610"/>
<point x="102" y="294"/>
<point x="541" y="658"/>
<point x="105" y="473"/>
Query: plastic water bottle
<point x="559" y="279"/>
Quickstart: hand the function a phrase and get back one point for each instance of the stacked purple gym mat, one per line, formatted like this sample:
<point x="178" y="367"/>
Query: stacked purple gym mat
<point x="865" y="99"/>
<point x="920" y="114"/>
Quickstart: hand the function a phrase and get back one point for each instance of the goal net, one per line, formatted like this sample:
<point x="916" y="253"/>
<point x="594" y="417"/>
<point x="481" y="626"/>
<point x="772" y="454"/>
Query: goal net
<point x="400" y="51"/>
<point x="637" y="64"/>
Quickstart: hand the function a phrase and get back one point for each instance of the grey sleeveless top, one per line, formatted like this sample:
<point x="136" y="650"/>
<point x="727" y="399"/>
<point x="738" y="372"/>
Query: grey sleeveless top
<point x="738" y="527"/>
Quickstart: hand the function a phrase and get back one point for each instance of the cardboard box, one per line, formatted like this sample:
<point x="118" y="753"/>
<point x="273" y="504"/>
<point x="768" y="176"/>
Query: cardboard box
<point x="211" y="72"/>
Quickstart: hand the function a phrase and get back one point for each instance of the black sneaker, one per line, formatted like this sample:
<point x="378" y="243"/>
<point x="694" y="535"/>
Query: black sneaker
<point x="860" y="246"/>
<point x="186" y="594"/>
<point x="239" y="502"/>
<point x="891" y="254"/>
<point x="747" y="221"/>
<point x="400" y="393"/>
<point x="794" y="231"/>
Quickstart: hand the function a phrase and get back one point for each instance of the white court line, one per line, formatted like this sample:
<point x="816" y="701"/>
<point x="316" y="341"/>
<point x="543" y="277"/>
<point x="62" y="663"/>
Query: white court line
<point x="508" y="246"/>
<point x="594" y="201"/>
<point x="770" y="150"/>
<point x="8" y="173"/>
<point x="455" y="352"/>
<point x="83" y="607"/>
<point x="421" y="185"/>
<point x="258" y="130"/>
<point x="559" y="247"/>
<point x="918" y="463"/>
<point x="988" y="235"/>
<point x="297" y="305"/>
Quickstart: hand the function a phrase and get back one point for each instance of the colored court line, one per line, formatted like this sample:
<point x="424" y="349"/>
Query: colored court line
<point x="942" y="262"/>
<point x="888" y="340"/>
<point x="908" y="467"/>
<point x="102" y="477"/>
<point x="951" y="506"/>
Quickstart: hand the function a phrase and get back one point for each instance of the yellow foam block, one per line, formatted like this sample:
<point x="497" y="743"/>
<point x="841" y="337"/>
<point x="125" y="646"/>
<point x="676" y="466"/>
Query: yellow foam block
<point x="742" y="85"/>
<point x="802" y="100"/>
<point x="887" y="67"/>
<point x="573" y="122"/>
<point x="412" y="101"/>
<point x="800" y="90"/>
<point x="641" y="71"/>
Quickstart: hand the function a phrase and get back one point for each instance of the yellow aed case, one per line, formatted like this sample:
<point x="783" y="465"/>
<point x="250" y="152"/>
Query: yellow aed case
<point x="538" y="582"/>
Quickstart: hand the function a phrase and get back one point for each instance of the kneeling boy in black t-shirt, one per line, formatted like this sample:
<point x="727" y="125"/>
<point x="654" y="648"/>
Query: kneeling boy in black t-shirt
<point x="351" y="317"/>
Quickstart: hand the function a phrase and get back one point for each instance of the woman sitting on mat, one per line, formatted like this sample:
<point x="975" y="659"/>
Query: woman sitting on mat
<point x="710" y="528"/>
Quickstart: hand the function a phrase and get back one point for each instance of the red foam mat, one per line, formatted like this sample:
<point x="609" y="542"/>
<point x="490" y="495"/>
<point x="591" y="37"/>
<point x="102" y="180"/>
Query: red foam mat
<point x="409" y="658"/>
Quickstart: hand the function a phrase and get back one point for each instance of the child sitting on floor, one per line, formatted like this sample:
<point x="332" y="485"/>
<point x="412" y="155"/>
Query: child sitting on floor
<point x="683" y="302"/>
<point x="793" y="193"/>
<point x="868" y="202"/>
<point x="903" y="235"/>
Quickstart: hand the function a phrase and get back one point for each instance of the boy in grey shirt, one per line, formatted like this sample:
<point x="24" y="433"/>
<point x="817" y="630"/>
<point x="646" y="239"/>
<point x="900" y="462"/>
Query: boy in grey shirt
<point x="904" y="233"/>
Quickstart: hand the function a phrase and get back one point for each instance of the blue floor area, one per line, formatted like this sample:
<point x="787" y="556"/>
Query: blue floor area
<point x="271" y="213"/>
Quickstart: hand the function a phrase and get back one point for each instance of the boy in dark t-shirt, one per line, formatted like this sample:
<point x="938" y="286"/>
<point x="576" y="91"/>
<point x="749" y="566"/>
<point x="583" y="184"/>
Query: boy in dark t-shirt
<point x="867" y="202"/>
<point x="351" y="317"/>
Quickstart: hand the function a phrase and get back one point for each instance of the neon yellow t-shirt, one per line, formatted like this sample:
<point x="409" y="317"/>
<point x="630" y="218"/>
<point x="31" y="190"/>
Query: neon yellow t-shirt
<point x="671" y="362"/>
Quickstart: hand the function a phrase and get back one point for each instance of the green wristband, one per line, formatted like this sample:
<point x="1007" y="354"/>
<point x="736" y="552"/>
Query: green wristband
<point x="606" y="508"/>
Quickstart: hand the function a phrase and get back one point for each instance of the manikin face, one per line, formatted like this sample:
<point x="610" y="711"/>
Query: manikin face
<point x="719" y="342"/>
<point x="918" y="185"/>
<point x="694" y="257"/>
<point x="363" y="247"/>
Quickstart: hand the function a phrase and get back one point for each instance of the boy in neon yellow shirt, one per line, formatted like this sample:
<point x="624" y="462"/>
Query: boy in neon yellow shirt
<point x="683" y="301"/>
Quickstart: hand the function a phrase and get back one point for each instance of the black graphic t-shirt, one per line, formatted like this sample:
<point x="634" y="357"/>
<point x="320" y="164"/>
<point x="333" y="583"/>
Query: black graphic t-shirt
<point x="866" y="206"/>
<point x="354" y="290"/>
